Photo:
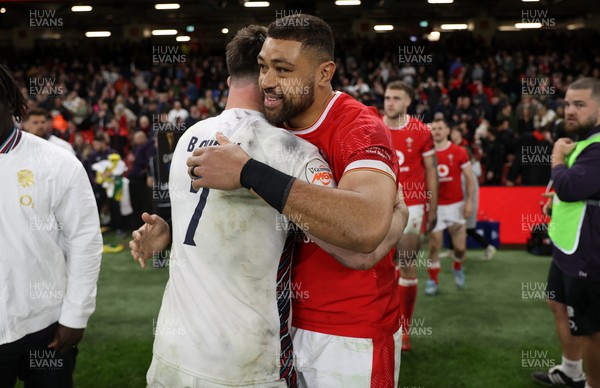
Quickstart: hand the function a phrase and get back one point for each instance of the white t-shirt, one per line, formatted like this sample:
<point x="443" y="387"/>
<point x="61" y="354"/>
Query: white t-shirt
<point x="50" y="240"/>
<point x="219" y="319"/>
<point x="61" y="143"/>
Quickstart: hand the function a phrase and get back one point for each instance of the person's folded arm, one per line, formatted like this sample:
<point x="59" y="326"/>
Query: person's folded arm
<point x="580" y="182"/>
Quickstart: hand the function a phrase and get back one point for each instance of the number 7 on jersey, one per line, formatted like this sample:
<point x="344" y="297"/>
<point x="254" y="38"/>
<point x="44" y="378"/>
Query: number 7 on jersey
<point x="193" y="226"/>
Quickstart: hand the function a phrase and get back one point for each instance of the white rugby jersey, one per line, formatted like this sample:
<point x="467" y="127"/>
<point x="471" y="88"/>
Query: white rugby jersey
<point x="50" y="241"/>
<point x="219" y="318"/>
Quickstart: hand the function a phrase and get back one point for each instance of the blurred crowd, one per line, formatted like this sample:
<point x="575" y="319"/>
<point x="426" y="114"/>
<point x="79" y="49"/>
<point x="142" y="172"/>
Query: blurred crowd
<point x="504" y="98"/>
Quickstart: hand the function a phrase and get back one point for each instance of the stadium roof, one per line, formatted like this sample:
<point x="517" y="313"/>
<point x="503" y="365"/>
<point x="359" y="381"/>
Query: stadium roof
<point x="204" y="20"/>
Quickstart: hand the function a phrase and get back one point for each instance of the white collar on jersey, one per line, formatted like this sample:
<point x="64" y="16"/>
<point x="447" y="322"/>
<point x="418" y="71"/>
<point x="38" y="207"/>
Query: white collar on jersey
<point x="321" y="118"/>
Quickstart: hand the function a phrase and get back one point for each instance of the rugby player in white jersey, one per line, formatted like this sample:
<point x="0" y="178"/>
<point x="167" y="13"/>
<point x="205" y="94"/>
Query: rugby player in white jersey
<point x="224" y="315"/>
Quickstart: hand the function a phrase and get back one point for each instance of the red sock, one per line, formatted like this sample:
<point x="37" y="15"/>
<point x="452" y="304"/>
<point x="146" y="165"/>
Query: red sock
<point x="408" y="297"/>
<point x="434" y="270"/>
<point x="457" y="265"/>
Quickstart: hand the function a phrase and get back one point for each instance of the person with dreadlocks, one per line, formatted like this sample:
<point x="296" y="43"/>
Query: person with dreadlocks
<point x="51" y="252"/>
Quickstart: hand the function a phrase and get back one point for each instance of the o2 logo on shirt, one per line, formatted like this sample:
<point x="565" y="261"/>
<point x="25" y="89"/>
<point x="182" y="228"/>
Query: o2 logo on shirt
<point x="443" y="170"/>
<point x="400" y="157"/>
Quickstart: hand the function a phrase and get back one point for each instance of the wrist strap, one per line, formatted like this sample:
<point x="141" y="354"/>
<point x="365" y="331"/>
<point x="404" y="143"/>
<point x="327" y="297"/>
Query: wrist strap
<point x="270" y="184"/>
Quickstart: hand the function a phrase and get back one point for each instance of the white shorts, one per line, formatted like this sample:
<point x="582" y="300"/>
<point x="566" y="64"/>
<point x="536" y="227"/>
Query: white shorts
<point x="162" y="375"/>
<point x="416" y="214"/>
<point x="329" y="361"/>
<point x="448" y="215"/>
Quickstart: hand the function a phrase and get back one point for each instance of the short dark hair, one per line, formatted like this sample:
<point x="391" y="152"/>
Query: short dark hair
<point x="314" y="34"/>
<point x="11" y="95"/>
<point x="440" y="120"/>
<point x="399" y="85"/>
<point x="242" y="51"/>
<point x="100" y="136"/>
<point x="36" y="112"/>
<point x="588" y="83"/>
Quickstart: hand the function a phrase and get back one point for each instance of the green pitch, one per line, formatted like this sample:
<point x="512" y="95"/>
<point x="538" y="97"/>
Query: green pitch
<point x="493" y="333"/>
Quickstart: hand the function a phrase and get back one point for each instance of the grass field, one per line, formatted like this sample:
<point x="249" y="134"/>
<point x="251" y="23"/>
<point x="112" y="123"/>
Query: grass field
<point x="486" y="335"/>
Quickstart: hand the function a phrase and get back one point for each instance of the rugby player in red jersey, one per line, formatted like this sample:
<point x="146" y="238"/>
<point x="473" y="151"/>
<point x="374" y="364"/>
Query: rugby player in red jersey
<point x="417" y="159"/>
<point x="453" y="208"/>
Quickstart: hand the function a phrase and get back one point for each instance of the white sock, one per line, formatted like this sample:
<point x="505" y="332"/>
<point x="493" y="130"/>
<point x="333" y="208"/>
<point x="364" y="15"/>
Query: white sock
<point x="573" y="369"/>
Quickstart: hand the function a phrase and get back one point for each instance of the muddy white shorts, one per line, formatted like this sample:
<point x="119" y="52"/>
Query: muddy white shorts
<point x="329" y="361"/>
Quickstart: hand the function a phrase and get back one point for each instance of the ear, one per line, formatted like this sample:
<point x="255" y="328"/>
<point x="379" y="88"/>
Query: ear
<point x="229" y="82"/>
<point x="325" y="73"/>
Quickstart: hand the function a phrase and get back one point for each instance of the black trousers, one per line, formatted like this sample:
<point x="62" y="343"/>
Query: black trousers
<point x="30" y="360"/>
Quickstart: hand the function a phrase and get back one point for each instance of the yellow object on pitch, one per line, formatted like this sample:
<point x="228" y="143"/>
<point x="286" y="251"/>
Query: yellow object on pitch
<point x="113" y="248"/>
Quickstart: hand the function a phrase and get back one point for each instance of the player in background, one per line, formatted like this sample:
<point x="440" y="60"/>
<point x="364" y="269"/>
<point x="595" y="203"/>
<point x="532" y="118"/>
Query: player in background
<point x="457" y="138"/>
<point x="51" y="252"/>
<point x="418" y="174"/>
<point x="453" y="207"/>
<point x="346" y="334"/>
<point x="36" y="122"/>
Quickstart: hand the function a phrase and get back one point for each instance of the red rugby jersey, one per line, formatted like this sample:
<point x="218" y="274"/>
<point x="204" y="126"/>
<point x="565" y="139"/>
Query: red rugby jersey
<point x="335" y="299"/>
<point x="413" y="142"/>
<point x="451" y="161"/>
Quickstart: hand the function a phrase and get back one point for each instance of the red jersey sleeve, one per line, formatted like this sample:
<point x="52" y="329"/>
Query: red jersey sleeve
<point x="364" y="143"/>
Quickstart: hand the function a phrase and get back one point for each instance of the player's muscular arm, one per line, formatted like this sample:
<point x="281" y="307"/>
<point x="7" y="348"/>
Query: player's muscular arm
<point x="431" y="177"/>
<point x="355" y="216"/>
<point x="356" y="260"/>
<point x="470" y="183"/>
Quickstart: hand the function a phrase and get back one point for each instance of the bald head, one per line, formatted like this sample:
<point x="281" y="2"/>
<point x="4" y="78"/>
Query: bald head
<point x="139" y="138"/>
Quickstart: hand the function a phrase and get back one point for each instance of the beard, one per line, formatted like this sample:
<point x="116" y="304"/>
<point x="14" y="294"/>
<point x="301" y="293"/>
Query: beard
<point x="292" y="104"/>
<point x="581" y="129"/>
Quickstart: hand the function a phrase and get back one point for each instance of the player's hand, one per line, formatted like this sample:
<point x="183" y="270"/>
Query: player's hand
<point x="401" y="211"/>
<point x="468" y="210"/>
<point x="65" y="338"/>
<point x="563" y="146"/>
<point x="217" y="167"/>
<point x="149" y="239"/>
<point x="431" y="220"/>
